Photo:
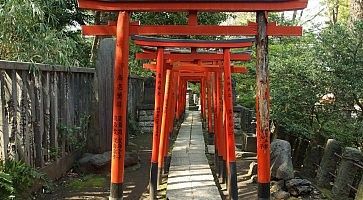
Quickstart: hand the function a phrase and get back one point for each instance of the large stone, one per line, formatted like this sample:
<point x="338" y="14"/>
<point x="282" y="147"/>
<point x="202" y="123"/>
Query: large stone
<point x="102" y="162"/>
<point x="281" y="162"/>
<point x="328" y="163"/>
<point x="298" y="187"/>
<point x="346" y="172"/>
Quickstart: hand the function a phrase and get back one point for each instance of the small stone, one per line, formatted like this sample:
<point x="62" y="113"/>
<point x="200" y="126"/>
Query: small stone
<point x="316" y="192"/>
<point x="253" y="169"/>
<point x="297" y="182"/>
<point x="277" y="186"/>
<point x="298" y="187"/>
<point x="281" y="195"/>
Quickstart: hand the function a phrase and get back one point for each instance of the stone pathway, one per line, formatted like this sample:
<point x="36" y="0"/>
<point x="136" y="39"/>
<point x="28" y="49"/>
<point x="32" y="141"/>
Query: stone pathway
<point x="190" y="176"/>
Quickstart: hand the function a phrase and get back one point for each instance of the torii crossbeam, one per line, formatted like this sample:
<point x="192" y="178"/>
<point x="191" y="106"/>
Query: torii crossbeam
<point x="123" y="28"/>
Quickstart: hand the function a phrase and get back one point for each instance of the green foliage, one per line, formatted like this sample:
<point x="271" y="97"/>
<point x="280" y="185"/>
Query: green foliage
<point x="194" y="87"/>
<point x="337" y="10"/>
<point x="6" y="185"/>
<point x="177" y="18"/>
<point x="305" y="71"/>
<point x="42" y="31"/>
<point x="16" y="178"/>
<point x="246" y="86"/>
<point x="340" y="53"/>
<point x="87" y="182"/>
<point x="316" y="83"/>
<point x="75" y="135"/>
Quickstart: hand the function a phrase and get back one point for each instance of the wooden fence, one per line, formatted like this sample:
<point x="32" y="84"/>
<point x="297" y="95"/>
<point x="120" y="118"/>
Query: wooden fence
<point x="44" y="111"/>
<point x="100" y="140"/>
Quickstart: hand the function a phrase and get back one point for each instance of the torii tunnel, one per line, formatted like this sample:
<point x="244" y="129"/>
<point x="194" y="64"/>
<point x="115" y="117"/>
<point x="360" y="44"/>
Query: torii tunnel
<point x="179" y="61"/>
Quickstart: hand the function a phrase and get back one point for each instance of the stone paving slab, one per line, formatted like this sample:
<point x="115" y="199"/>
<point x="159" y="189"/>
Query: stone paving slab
<point x="190" y="176"/>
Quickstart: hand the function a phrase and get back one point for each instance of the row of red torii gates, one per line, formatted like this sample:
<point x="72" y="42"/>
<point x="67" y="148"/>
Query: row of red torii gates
<point x="177" y="61"/>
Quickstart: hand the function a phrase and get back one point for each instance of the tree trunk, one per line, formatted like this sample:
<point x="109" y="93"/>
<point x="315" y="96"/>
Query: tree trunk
<point x="356" y="10"/>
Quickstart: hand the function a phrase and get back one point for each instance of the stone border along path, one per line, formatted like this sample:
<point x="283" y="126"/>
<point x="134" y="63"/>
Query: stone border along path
<point x="190" y="176"/>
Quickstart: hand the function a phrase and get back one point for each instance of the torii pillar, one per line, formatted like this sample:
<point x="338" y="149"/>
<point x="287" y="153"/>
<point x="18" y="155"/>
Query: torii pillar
<point x="120" y="92"/>
<point x="262" y="107"/>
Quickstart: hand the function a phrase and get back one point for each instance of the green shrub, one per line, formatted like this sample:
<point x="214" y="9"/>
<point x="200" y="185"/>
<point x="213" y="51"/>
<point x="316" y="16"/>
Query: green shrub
<point x="16" y="178"/>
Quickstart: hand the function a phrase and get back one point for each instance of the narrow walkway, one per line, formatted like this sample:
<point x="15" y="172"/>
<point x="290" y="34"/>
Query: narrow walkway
<point x="190" y="176"/>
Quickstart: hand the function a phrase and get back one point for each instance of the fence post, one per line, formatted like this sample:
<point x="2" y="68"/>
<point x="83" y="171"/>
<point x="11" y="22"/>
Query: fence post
<point x="346" y="172"/>
<point x="328" y="163"/>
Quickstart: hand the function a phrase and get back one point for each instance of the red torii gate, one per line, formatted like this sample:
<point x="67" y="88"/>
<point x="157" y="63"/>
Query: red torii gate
<point x="197" y="72"/>
<point x="123" y="28"/>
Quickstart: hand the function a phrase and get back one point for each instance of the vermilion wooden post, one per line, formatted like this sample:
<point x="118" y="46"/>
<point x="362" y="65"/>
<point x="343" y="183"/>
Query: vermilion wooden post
<point x="184" y="95"/>
<point x="219" y="123"/>
<point x="178" y="98"/>
<point x="216" y="126"/>
<point x="170" y="122"/>
<point x="231" y="155"/>
<point x="209" y="103"/>
<point x="164" y="124"/>
<point x="120" y="92"/>
<point x="201" y="99"/>
<point x="176" y="94"/>
<point x="159" y="92"/>
<point x="224" y="139"/>
<point x="213" y="101"/>
<point x="181" y="98"/>
<point x="262" y="108"/>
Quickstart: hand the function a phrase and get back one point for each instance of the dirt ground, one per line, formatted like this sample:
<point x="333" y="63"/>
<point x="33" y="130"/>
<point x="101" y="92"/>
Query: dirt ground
<point x="96" y="186"/>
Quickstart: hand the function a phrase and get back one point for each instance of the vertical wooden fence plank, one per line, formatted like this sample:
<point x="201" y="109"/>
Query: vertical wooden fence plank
<point x="33" y="120"/>
<point x="54" y="116"/>
<point x="38" y="125"/>
<point x="46" y="115"/>
<point x="76" y="97"/>
<point x="2" y="136"/>
<point x="4" y="118"/>
<point x="14" y="116"/>
<point x="62" y="111"/>
<point x="68" y="104"/>
<point x="25" y="119"/>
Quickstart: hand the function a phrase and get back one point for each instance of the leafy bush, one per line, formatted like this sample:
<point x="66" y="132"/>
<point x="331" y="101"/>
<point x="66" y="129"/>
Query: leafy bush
<point x="16" y="178"/>
<point x="6" y="185"/>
